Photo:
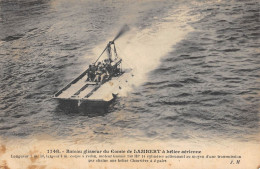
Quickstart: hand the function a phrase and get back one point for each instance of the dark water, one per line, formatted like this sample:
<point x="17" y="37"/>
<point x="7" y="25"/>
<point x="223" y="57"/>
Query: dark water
<point x="206" y="87"/>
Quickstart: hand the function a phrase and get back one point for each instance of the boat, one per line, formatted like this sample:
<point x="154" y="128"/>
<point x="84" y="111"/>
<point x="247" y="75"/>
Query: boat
<point x="98" y="90"/>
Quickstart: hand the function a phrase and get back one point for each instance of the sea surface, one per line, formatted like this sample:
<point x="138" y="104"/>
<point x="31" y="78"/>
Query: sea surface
<point x="200" y="76"/>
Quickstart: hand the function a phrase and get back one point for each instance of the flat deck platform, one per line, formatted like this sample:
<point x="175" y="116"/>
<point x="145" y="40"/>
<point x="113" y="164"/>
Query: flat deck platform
<point x="82" y="90"/>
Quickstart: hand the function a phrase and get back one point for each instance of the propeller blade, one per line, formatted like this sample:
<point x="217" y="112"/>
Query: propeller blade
<point x="124" y="29"/>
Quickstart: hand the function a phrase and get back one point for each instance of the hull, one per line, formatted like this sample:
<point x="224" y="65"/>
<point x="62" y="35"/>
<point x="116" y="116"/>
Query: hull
<point x="89" y="108"/>
<point x="84" y="103"/>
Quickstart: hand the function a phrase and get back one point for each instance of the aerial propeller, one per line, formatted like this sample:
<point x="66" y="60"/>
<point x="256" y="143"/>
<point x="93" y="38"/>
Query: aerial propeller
<point x="123" y="30"/>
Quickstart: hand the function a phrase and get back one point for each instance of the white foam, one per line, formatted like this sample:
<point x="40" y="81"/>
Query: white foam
<point x="142" y="50"/>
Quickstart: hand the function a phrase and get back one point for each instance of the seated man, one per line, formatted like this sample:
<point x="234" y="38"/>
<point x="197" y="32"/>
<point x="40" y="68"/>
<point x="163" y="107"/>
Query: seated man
<point x="91" y="72"/>
<point x="105" y="74"/>
<point x="98" y="72"/>
<point x="108" y="67"/>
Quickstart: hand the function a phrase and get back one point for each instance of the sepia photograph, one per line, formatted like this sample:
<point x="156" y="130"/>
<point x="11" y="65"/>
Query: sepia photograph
<point x="130" y="84"/>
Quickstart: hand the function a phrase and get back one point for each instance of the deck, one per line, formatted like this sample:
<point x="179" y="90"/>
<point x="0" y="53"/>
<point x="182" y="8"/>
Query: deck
<point x="81" y="89"/>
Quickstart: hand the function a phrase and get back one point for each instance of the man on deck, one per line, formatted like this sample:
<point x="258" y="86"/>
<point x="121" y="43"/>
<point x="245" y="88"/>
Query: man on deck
<point x="91" y="72"/>
<point x="98" y="72"/>
<point x="105" y="73"/>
